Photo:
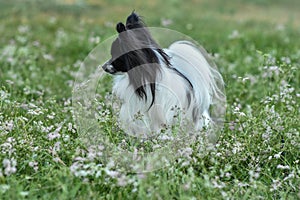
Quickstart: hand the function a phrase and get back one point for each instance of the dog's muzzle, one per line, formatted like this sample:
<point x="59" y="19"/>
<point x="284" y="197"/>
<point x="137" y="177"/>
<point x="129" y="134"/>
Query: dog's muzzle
<point x="109" y="68"/>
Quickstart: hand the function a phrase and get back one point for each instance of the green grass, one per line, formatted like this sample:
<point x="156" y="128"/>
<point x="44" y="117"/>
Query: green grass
<point x="257" y="154"/>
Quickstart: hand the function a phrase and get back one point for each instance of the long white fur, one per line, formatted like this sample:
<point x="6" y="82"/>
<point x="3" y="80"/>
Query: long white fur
<point x="171" y="90"/>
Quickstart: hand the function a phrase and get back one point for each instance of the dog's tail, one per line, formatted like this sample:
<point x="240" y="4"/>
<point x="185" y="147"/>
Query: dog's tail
<point x="208" y="85"/>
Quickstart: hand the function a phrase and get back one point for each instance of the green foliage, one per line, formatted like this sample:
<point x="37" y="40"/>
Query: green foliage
<point x="257" y="155"/>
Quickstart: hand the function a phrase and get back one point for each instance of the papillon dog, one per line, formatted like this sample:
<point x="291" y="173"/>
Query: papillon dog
<point x="156" y="86"/>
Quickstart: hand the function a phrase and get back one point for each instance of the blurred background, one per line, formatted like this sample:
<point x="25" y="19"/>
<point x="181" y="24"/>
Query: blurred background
<point x="211" y="19"/>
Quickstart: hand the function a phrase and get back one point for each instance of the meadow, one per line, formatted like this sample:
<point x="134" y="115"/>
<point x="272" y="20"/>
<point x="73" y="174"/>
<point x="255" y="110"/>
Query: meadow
<point x="255" y="45"/>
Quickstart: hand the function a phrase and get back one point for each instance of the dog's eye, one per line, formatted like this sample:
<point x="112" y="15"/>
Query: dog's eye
<point x="119" y="64"/>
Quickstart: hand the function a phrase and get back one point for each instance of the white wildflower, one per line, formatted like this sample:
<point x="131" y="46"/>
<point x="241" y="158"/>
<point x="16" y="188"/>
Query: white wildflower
<point x="234" y="35"/>
<point x="122" y="180"/>
<point x="94" y="40"/>
<point x="51" y="116"/>
<point x="218" y="184"/>
<point x="275" y="185"/>
<point x="48" y="57"/>
<point x="23" y="29"/>
<point x="286" y="60"/>
<point x="283" y="167"/>
<point x="10" y="166"/>
<point x="291" y="175"/>
<point x="280" y="27"/>
<point x="34" y="165"/>
<point x="4" y="188"/>
<point x="253" y="175"/>
<point x="243" y="184"/>
<point x="9" y="125"/>
<point x="277" y="155"/>
<point x="112" y="173"/>
<point x="55" y="133"/>
<point x="166" y="22"/>
<point x="24" y="193"/>
<point x="4" y="95"/>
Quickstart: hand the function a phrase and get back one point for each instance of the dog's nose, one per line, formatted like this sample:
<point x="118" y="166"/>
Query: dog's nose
<point x="108" y="67"/>
<point x="104" y="66"/>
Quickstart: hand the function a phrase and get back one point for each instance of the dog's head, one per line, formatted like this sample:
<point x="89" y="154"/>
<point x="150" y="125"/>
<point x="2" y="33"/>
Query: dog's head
<point x="133" y="47"/>
<point x="136" y="53"/>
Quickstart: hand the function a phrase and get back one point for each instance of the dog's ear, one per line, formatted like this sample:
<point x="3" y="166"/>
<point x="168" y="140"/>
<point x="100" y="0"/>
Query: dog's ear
<point x="120" y="27"/>
<point x="134" y="21"/>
